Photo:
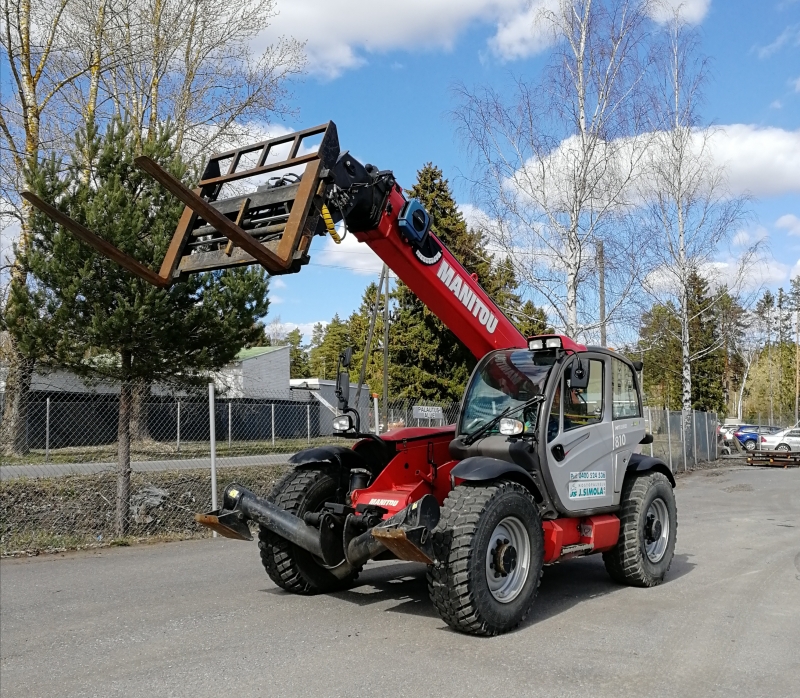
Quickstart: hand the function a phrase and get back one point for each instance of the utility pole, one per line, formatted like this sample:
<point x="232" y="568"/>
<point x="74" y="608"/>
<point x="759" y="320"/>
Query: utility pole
<point x="386" y="354"/>
<point x="601" y="266"/>
<point x="368" y="346"/>
<point x="797" y="362"/>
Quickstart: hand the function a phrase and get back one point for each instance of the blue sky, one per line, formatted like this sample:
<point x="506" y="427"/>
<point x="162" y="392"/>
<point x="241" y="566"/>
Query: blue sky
<point x="385" y="76"/>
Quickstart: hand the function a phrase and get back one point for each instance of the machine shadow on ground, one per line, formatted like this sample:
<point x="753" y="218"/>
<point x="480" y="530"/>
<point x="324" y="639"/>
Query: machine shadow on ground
<point x="563" y="586"/>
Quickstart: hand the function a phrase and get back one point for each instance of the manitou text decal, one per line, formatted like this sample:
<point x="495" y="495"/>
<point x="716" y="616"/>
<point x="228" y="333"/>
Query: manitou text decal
<point x="384" y="502"/>
<point x="467" y="296"/>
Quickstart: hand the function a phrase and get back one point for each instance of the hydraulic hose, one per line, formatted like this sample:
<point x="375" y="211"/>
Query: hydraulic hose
<point x="326" y="216"/>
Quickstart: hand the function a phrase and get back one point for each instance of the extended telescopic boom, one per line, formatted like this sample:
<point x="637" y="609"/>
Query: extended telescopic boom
<point x="303" y="189"/>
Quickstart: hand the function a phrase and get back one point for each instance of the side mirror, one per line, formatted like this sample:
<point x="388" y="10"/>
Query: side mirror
<point x="647" y="439"/>
<point x="343" y="389"/>
<point x="346" y="357"/>
<point x="638" y="366"/>
<point x="578" y="375"/>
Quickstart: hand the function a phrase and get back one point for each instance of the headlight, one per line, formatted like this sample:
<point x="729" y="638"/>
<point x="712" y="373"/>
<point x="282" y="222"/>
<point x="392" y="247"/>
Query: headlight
<point x="553" y="343"/>
<point x="536" y="344"/>
<point x="343" y="422"/>
<point x="511" y="427"/>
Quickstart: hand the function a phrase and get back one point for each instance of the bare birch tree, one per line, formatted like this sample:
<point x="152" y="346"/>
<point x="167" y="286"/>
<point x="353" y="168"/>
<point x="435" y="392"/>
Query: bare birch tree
<point x="70" y="63"/>
<point x="688" y="210"/>
<point x="557" y="164"/>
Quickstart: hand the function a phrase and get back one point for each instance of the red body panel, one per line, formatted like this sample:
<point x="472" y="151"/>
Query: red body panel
<point x="421" y="466"/>
<point x="601" y="532"/>
<point x="445" y="287"/>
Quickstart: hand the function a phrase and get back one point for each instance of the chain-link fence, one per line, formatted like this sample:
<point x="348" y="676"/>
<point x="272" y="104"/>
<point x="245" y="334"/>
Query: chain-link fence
<point x="682" y="439"/>
<point x="60" y="489"/>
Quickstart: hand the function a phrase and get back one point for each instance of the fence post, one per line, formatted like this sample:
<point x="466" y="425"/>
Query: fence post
<point x="47" y="433"/>
<point x="273" y="423"/>
<point x="652" y="430"/>
<point x="377" y="419"/>
<point x="683" y="440"/>
<point x="212" y="433"/>
<point x="708" y="442"/>
<point x="179" y="427"/>
<point x="694" y="435"/>
<point x="308" y="422"/>
<point x="229" y="426"/>
<point x="669" y="440"/>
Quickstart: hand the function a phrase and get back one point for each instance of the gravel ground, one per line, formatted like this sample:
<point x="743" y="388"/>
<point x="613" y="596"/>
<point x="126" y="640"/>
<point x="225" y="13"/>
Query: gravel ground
<point x="201" y="618"/>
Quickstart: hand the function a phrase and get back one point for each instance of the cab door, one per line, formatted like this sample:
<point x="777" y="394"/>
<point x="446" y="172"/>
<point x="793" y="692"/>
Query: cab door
<point x="580" y="439"/>
<point x="626" y="419"/>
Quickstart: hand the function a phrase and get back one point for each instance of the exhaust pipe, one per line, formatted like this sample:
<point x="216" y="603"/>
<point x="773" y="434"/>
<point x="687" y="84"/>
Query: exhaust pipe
<point x="407" y="533"/>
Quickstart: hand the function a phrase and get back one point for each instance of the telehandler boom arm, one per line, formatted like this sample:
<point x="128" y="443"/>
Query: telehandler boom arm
<point x="298" y="195"/>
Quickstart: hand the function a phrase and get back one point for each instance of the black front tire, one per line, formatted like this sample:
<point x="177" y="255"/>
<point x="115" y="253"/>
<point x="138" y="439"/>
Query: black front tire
<point x="290" y="567"/>
<point x="629" y="562"/>
<point x="458" y="584"/>
<point x="750" y="445"/>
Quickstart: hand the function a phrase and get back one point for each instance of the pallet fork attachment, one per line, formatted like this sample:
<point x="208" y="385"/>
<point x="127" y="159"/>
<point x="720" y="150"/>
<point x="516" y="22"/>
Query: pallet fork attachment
<point x="230" y="221"/>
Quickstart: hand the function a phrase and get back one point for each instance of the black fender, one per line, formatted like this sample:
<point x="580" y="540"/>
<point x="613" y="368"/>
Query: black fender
<point x="340" y="456"/>
<point x="485" y="469"/>
<point x="640" y="463"/>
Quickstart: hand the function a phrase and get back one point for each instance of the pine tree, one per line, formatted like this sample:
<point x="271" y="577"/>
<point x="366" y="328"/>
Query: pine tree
<point x="103" y="322"/>
<point x="327" y="342"/>
<point x="299" y="365"/>
<point x="426" y="359"/>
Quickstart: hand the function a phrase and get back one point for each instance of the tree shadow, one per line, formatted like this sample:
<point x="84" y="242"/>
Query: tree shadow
<point x="564" y="585"/>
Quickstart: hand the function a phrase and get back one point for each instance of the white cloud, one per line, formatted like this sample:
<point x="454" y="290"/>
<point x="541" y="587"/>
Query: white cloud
<point x="275" y="299"/>
<point x="341" y="34"/>
<point x="790" y="36"/>
<point x="277" y="282"/>
<point x="765" y="271"/>
<point x="691" y="11"/>
<point x="306" y="328"/>
<point x="796" y="84"/>
<point x="519" y="35"/>
<point x="741" y="238"/>
<point x="759" y="161"/>
<point x="790" y="223"/>
<point x="795" y="270"/>
<point x="350" y="255"/>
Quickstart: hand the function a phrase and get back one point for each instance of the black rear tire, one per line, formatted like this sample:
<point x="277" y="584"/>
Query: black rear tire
<point x="459" y="584"/>
<point x="290" y="567"/>
<point x="629" y="562"/>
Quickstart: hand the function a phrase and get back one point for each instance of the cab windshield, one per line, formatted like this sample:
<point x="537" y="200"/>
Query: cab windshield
<point x="504" y="379"/>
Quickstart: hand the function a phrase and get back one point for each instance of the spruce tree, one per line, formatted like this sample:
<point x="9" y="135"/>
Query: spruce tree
<point x="110" y="324"/>
<point x="426" y="359"/>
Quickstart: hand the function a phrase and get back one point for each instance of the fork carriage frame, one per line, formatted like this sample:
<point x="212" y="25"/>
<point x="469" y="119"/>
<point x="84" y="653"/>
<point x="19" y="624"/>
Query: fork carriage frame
<point x="272" y="226"/>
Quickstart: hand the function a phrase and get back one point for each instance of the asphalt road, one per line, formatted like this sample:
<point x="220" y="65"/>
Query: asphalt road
<point x="9" y="472"/>
<point x="200" y="618"/>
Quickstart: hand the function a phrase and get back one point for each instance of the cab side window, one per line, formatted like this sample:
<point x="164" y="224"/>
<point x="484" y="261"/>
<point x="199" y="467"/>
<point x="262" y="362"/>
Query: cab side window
<point x="584" y="406"/>
<point x="554" y="419"/>
<point x="623" y="388"/>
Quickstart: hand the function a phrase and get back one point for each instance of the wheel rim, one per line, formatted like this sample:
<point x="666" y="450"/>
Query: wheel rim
<point x="782" y="447"/>
<point x="508" y="559"/>
<point x="750" y="445"/>
<point x="656" y="530"/>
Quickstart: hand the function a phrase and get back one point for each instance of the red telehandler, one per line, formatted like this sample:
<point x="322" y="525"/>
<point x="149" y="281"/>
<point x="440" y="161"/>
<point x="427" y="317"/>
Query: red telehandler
<point x="542" y="465"/>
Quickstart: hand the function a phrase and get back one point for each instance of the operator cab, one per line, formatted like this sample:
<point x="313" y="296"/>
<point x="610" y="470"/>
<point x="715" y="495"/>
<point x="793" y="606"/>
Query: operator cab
<point x="568" y="414"/>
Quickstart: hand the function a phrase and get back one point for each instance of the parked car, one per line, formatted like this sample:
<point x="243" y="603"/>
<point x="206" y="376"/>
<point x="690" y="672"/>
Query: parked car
<point x="749" y="434"/>
<point x="786" y="440"/>
<point x="727" y="431"/>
